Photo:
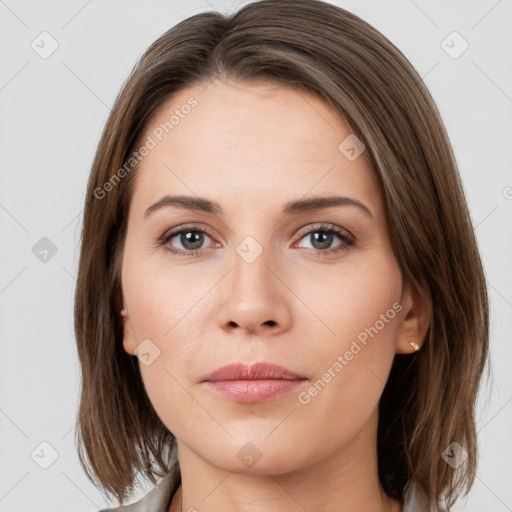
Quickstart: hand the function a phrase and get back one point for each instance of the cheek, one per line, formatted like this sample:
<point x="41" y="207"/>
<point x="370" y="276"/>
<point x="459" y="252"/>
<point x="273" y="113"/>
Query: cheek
<point x="358" y="314"/>
<point x="165" y="320"/>
<point x="359" y="300"/>
<point x="162" y="300"/>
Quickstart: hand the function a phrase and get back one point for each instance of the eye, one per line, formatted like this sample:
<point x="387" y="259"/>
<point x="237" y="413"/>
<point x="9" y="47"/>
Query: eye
<point x="322" y="237"/>
<point x="190" y="238"/>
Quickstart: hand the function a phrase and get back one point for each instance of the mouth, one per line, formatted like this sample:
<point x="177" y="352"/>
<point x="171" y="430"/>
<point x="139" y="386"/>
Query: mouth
<point x="254" y="383"/>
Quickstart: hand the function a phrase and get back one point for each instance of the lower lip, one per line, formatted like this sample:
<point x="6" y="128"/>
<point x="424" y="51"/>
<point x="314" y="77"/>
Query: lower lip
<point x="253" y="391"/>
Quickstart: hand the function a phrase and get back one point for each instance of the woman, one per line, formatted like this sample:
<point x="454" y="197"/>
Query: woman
<point x="280" y="300"/>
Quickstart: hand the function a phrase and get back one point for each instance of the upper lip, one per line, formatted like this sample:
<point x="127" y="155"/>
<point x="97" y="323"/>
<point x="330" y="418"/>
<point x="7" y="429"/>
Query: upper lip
<point x="257" y="371"/>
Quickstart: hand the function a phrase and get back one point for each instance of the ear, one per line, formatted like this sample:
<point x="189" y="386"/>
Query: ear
<point x="415" y="318"/>
<point x="128" y="337"/>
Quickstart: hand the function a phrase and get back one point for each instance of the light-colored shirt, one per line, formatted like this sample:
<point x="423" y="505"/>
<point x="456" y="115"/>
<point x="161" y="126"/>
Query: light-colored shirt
<point x="159" y="500"/>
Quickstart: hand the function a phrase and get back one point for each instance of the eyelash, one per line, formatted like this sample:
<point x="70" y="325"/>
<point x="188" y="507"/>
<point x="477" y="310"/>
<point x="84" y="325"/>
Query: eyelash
<point x="348" y="240"/>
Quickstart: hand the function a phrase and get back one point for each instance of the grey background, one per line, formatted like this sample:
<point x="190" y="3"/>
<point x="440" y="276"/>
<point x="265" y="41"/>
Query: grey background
<point x="53" y="111"/>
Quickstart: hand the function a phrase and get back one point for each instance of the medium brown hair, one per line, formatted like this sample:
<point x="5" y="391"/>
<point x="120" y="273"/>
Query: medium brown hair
<point x="429" y="399"/>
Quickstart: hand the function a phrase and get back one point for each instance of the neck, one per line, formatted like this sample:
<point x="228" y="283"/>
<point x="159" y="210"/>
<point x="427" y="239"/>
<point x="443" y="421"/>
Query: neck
<point x="343" y="481"/>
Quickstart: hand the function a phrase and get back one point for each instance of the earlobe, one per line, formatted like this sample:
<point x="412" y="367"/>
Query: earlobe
<point x="415" y="346"/>
<point x="128" y="338"/>
<point x="414" y="321"/>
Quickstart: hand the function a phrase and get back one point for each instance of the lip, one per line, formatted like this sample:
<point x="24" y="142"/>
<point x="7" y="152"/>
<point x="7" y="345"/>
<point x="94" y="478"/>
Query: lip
<point x="253" y="383"/>
<point x="256" y="371"/>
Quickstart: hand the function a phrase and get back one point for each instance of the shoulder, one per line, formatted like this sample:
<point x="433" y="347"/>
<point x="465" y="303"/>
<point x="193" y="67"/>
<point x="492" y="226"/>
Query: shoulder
<point x="415" y="500"/>
<point x="156" y="500"/>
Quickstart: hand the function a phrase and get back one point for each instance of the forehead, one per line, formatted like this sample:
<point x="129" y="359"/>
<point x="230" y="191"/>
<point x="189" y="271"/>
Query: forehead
<point x="233" y="140"/>
<point x="245" y="118"/>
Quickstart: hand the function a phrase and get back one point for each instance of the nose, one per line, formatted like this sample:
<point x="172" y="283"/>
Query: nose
<point x="254" y="298"/>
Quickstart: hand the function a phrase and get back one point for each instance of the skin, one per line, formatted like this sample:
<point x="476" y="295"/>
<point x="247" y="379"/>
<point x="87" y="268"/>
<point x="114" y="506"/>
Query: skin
<point x="252" y="148"/>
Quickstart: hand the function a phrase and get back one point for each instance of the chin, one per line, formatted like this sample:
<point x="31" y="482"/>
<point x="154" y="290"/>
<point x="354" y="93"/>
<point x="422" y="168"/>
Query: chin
<point x="258" y="456"/>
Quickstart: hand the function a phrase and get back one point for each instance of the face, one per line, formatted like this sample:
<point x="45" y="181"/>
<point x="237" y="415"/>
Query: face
<point x="255" y="278"/>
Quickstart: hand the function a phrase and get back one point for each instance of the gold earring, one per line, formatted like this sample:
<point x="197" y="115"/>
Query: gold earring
<point x="414" y="346"/>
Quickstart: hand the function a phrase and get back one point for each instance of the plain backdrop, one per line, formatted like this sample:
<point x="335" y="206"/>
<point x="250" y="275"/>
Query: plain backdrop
<point x="53" y="108"/>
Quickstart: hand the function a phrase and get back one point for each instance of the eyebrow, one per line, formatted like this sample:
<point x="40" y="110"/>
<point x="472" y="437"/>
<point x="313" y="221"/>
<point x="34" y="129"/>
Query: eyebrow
<point x="289" y="208"/>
